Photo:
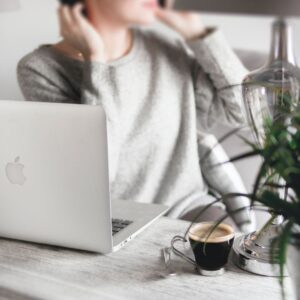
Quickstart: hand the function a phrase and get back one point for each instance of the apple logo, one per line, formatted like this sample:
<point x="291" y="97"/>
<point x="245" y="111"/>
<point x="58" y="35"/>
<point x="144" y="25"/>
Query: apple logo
<point x="14" y="172"/>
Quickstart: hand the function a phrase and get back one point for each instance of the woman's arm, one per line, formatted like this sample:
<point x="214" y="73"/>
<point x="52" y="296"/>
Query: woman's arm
<point x="41" y="81"/>
<point x="218" y="73"/>
<point x="224" y="179"/>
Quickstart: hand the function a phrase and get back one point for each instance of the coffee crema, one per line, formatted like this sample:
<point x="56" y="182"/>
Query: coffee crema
<point x="199" y="232"/>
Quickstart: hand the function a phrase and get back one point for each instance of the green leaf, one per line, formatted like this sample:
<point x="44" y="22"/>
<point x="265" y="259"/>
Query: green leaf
<point x="261" y="173"/>
<point x="200" y="214"/>
<point x="280" y="206"/>
<point x="280" y="257"/>
<point x="222" y="198"/>
<point x="220" y="141"/>
<point x="251" y="144"/>
<point x="266" y="225"/>
<point x="220" y="220"/>
<point x="276" y="185"/>
<point x="239" y="157"/>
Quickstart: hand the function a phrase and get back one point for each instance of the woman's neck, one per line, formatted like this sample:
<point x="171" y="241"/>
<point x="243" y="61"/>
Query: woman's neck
<point x="117" y="37"/>
<point x="117" y="42"/>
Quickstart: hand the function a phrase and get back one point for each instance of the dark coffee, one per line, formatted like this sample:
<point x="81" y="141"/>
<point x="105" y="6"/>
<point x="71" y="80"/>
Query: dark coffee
<point x="212" y="253"/>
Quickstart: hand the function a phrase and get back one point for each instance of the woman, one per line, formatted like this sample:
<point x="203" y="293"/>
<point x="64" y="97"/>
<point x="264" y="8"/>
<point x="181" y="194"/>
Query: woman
<point x="156" y="92"/>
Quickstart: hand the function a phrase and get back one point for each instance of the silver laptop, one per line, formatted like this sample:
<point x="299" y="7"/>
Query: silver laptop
<point x="54" y="180"/>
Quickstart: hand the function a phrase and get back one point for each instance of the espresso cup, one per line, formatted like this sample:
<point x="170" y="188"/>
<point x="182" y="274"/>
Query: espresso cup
<point x="210" y="252"/>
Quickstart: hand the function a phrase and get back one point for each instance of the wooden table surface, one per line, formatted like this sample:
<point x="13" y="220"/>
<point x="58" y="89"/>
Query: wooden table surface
<point x="30" y="271"/>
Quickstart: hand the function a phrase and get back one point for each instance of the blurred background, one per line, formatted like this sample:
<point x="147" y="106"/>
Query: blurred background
<point x="36" y="23"/>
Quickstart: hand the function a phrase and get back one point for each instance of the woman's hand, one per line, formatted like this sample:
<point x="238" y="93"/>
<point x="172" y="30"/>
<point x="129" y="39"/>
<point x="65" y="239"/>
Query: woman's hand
<point x="187" y="24"/>
<point x="80" y="34"/>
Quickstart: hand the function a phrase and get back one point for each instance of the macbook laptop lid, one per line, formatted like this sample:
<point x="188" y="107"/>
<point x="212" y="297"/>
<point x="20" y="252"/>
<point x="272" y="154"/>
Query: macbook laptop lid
<point x="54" y="183"/>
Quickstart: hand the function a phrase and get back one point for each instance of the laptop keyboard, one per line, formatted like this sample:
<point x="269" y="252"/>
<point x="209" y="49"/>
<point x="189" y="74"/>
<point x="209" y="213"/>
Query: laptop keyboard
<point x="118" y="225"/>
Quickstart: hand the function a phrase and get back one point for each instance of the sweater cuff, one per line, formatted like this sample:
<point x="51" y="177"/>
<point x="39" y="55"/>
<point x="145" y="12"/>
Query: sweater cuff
<point x="218" y="60"/>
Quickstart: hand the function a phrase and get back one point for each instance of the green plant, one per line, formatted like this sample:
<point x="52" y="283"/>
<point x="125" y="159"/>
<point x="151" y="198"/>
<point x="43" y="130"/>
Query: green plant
<point x="277" y="185"/>
<point x="281" y="163"/>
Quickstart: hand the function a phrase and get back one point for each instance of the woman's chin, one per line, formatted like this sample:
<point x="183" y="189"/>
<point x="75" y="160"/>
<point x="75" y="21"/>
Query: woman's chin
<point x="145" y="20"/>
<point x="149" y="23"/>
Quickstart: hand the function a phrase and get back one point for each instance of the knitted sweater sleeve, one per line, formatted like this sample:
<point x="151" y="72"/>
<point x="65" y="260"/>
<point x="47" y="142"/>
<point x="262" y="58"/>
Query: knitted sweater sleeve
<point x="218" y="73"/>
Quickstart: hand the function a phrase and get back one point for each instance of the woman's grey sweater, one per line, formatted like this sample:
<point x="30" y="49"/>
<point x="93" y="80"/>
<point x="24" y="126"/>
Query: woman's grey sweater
<point x="156" y="99"/>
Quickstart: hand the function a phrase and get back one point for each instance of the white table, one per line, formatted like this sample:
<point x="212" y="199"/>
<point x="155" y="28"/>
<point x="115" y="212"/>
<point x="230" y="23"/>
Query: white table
<point x="30" y="271"/>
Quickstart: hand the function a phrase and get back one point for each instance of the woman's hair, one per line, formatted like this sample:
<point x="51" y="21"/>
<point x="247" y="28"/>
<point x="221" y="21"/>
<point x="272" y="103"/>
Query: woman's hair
<point x="162" y="3"/>
<point x="70" y="2"/>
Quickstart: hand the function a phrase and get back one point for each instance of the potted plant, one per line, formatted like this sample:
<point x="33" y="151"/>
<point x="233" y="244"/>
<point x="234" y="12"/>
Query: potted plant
<point x="277" y="187"/>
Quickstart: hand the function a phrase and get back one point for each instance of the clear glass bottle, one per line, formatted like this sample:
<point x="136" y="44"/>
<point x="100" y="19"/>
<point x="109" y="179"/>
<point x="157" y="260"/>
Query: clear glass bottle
<point x="275" y="86"/>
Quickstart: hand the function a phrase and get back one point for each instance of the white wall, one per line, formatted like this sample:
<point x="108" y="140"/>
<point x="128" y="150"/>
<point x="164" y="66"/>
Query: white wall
<point x="250" y="32"/>
<point x="20" y="33"/>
